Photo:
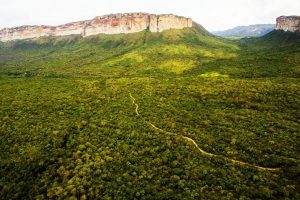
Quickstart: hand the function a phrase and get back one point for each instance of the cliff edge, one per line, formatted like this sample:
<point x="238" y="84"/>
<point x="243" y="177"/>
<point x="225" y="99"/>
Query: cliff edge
<point x="107" y="24"/>
<point x="288" y="23"/>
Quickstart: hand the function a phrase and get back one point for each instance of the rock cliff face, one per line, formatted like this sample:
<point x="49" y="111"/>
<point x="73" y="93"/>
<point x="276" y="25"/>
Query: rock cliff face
<point x="288" y="23"/>
<point x="107" y="24"/>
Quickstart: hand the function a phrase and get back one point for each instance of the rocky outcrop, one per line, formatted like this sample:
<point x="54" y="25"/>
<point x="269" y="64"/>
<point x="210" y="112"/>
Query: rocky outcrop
<point x="107" y="24"/>
<point x="288" y="23"/>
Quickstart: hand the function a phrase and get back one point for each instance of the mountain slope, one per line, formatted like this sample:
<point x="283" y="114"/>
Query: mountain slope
<point x="256" y="30"/>
<point x="118" y="117"/>
<point x="74" y="55"/>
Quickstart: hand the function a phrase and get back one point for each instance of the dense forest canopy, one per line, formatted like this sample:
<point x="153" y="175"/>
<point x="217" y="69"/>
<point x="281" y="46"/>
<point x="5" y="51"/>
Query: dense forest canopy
<point x="110" y="117"/>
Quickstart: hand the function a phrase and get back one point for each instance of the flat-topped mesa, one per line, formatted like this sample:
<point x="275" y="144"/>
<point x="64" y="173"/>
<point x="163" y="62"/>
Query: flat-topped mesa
<point x="107" y="24"/>
<point x="288" y="23"/>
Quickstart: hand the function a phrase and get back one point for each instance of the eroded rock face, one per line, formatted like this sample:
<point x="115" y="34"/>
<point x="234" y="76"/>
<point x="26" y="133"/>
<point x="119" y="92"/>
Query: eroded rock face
<point x="288" y="23"/>
<point x="107" y="24"/>
<point x="171" y="21"/>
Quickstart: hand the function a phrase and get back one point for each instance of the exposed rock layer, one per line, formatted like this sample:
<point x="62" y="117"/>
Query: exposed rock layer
<point x="288" y="23"/>
<point x="107" y="24"/>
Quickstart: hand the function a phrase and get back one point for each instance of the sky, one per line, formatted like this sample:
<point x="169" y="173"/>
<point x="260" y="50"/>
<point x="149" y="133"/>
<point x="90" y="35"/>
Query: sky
<point x="212" y="14"/>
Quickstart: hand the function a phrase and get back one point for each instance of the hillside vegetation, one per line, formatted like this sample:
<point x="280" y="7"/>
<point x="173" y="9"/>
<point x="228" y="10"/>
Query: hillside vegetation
<point x="115" y="117"/>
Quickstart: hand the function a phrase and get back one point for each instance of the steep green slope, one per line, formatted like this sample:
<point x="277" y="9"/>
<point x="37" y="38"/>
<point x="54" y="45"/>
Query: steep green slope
<point x="73" y="56"/>
<point x="115" y="117"/>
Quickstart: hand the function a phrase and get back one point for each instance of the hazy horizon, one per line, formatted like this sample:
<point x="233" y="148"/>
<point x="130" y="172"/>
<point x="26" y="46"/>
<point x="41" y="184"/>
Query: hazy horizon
<point x="212" y="14"/>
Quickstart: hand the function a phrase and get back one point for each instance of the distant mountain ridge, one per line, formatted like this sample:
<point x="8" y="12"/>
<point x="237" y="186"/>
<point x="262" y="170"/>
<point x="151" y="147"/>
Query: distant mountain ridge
<point x="255" y="30"/>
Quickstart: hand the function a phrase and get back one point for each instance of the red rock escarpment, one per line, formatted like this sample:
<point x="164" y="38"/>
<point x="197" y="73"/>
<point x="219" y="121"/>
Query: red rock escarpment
<point x="107" y="24"/>
<point x="288" y="23"/>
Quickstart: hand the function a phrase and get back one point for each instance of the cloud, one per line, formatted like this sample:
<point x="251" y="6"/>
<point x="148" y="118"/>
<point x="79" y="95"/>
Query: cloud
<point x="212" y="14"/>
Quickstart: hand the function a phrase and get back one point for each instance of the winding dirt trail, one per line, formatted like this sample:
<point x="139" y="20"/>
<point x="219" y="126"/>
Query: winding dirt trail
<point x="191" y="141"/>
<point x="136" y="105"/>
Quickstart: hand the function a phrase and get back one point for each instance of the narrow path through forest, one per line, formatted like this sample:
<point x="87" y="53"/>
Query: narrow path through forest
<point x="190" y="140"/>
